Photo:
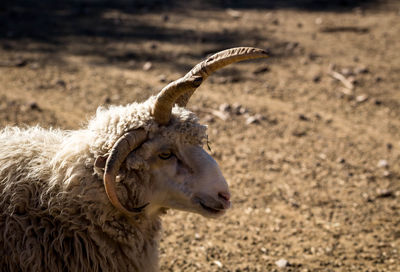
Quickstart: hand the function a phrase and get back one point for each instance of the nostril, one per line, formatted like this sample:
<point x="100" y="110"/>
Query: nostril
<point x="224" y="195"/>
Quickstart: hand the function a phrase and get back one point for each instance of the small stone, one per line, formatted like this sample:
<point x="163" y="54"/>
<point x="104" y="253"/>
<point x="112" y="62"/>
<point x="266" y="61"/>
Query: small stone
<point x="263" y="250"/>
<point x="225" y="107"/>
<point x="341" y="160"/>
<point x="61" y="83"/>
<point x="299" y="133"/>
<point x="34" y="106"/>
<point x="347" y="92"/>
<point x="218" y="263"/>
<point x="147" y="66"/>
<point x="282" y="263"/>
<point x="322" y="156"/>
<point x="260" y="117"/>
<point x="252" y="120"/>
<point x="382" y="193"/>
<point x="318" y="21"/>
<point x="234" y="13"/>
<point x="243" y="110"/>
<point x="352" y="80"/>
<point x="361" y="98"/>
<point x="197" y="236"/>
<point x="316" y="78"/>
<point x="162" y="78"/>
<point x="236" y="108"/>
<point x="386" y="174"/>
<point x="347" y="72"/>
<point x="302" y="117"/>
<point x="383" y="164"/>
<point x="361" y="70"/>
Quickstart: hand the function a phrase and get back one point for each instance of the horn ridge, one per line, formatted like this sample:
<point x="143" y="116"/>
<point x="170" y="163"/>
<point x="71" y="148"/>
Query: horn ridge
<point x="167" y="97"/>
<point x="124" y="145"/>
<point x="181" y="90"/>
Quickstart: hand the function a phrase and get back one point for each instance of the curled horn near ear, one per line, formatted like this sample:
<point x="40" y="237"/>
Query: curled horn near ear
<point x="180" y="91"/>
<point x="121" y="149"/>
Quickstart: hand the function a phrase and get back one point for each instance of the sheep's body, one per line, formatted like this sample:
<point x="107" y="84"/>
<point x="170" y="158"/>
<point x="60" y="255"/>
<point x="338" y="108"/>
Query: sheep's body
<point x="57" y="217"/>
<point x="61" y="207"/>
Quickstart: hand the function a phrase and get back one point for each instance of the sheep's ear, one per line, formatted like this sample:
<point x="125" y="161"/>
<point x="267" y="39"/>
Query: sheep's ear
<point x="100" y="161"/>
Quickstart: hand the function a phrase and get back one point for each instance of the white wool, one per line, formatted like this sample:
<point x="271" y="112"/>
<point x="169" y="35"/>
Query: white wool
<point x="54" y="213"/>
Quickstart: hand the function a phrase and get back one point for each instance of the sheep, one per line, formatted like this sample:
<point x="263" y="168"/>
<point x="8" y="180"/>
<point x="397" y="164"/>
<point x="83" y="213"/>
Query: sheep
<point x="92" y="199"/>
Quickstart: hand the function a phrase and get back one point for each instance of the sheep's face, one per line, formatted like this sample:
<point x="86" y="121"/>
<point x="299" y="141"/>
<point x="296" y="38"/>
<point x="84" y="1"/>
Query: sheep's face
<point x="184" y="176"/>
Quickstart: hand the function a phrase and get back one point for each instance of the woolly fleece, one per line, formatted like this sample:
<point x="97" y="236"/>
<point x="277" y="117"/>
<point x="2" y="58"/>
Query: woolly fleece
<point x="54" y="213"/>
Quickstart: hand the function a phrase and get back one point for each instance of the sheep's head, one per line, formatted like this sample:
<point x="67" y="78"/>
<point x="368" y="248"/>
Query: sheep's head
<point x="183" y="175"/>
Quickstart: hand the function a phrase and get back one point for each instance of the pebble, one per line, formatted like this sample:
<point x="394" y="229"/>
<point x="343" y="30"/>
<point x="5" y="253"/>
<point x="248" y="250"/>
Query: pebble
<point x="383" y="164"/>
<point x="341" y="160"/>
<point x="302" y="117"/>
<point x="218" y="263"/>
<point x="147" y="66"/>
<point x="252" y="120"/>
<point x="225" y="107"/>
<point x="346" y="91"/>
<point x="347" y="72"/>
<point x="238" y="109"/>
<point x="361" y="70"/>
<point x="234" y="13"/>
<point x="162" y="78"/>
<point x="382" y="193"/>
<point x="361" y="98"/>
<point x="318" y="21"/>
<point x="107" y="100"/>
<point x="197" y="236"/>
<point x="386" y="173"/>
<point x="34" y="106"/>
<point x="282" y="263"/>
<point x="316" y="78"/>
<point x="61" y="83"/>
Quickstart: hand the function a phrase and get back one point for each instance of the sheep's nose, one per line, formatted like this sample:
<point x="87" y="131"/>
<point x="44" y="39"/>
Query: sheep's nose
<point x="224" y="195"/>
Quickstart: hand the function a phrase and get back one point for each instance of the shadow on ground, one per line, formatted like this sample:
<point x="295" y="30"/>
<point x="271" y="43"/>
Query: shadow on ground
<point x="53" y="26"/>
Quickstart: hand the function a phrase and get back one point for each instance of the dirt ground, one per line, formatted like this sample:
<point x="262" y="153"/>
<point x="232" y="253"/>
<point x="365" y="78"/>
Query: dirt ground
<point x="309" y="139"/>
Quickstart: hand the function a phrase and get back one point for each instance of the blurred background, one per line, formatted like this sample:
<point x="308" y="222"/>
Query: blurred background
<point x="308" y="139"/>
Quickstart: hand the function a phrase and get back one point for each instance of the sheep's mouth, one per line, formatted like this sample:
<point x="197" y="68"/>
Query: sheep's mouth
<point x="210" y="209"/>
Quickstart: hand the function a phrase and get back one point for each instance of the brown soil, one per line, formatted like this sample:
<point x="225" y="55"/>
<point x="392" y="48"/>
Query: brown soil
<point x="315" y="179"/>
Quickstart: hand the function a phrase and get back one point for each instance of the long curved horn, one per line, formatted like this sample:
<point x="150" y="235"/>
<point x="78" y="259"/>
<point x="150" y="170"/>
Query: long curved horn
<point x="126" y="144"/>
<point x="180" y="91"/>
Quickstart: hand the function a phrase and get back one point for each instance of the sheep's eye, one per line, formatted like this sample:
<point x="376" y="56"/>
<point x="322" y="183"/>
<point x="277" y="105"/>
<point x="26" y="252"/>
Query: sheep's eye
<point x="165" y="155"/>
